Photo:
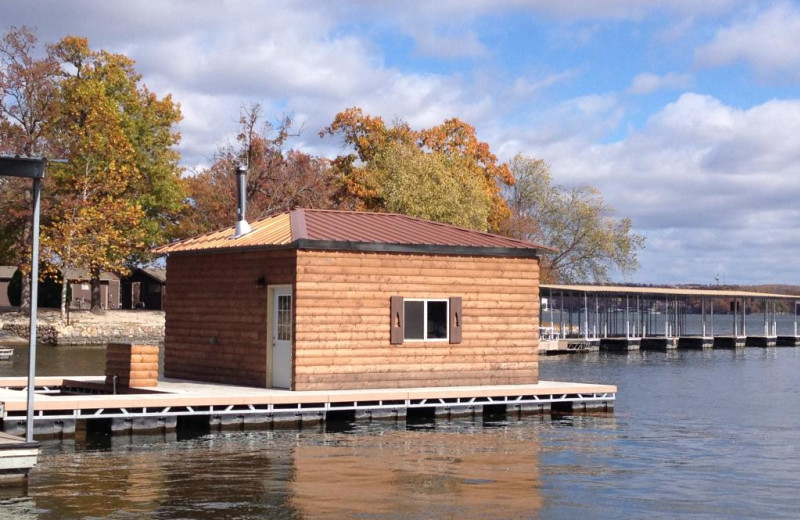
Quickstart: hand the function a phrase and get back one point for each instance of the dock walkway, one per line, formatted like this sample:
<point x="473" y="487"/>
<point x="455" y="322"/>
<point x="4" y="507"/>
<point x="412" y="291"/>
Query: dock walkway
<point x="17" y="457"/>
<point x="61" y="402"/>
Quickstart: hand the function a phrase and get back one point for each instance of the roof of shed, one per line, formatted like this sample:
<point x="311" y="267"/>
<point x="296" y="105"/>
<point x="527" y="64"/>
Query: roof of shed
<point x="7" y="271"/>
<point x="158" y="274"/>
<point x="353" y="230"/>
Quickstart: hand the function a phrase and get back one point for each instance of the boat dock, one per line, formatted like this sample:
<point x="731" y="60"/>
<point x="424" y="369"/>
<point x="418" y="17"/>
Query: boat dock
<point x="17" y="457"/>
<point x="64" y="404"/>
<point x="662" y="318"/>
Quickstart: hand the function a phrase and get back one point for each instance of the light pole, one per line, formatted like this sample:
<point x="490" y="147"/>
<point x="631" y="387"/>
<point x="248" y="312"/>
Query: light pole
<point x="30" y="168"/>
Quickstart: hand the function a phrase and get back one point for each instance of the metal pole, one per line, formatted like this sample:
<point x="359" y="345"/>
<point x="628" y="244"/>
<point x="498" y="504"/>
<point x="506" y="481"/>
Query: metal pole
<point x="586" y="315"/>
<point x="712" y="317"/>
<point x="596" y="330"/>
<point x="627" y="317"/>
<point x="37" y="190"/>
<point x="744" y="317"/>
<point x="703" y="312"/>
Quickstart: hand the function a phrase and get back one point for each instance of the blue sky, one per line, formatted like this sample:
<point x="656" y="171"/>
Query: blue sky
<point x="685" y="114"/>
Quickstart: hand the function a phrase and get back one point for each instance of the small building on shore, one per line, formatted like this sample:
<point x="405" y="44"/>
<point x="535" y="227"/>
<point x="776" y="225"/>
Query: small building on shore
<point x="79" y="287"/>
<point x="145" y="288"/>
<point x="327" y="300"/>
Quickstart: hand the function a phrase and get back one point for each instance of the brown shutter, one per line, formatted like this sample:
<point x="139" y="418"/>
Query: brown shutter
<point x="396" y="307"/>
<point x="455" y="319"/>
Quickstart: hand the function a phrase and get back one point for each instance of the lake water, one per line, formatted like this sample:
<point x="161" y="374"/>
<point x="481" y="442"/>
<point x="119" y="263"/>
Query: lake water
<point x="696" y="434"/>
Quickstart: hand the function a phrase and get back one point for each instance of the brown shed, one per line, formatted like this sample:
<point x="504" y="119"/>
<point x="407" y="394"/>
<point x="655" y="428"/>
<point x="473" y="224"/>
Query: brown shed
<point x="323" y="300"/>
<point x="145" y="288"/>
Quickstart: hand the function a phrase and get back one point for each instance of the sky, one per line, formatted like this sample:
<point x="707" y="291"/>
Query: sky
<point x="685" y="114"/>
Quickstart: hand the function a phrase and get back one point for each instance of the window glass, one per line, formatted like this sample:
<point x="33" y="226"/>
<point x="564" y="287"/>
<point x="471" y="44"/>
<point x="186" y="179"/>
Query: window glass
<point x="284" y="318"/>
<point x="414" y="319"/>
<point x="437" y="320"/>
<point x="425" y="319"/>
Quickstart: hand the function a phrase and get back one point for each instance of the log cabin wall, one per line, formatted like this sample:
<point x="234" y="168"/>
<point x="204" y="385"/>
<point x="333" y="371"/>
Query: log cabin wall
<point x="342" y="322"/>
<point x="216" y="315"/>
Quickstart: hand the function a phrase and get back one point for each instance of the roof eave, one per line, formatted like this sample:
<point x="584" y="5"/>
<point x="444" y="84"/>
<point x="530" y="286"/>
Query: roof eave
<point x="375" y="247"/>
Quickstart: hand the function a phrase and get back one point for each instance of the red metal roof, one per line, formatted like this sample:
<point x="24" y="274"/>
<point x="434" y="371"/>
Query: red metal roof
<point x="350" y="227"/>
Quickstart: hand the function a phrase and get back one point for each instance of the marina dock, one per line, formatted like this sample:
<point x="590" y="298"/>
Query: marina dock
<point x="663" y="318"/>
<point x="17" y="457"/>
<point x="64" y="404"/>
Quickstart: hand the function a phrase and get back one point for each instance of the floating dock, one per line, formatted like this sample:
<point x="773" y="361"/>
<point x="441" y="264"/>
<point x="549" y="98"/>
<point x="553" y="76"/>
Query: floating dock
<point x="62" y="404"/>
<point x="17" y="457"/>
<point x="629" y="318"/>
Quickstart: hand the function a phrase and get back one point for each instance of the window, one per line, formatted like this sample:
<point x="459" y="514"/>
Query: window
<point x="284" y="314"/>
<point x="418" y="319"/>
<point x="425" y="319"/>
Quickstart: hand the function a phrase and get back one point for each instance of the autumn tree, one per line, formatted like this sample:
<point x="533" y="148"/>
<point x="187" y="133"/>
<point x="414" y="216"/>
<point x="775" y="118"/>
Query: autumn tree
<point x="589" y="240"/>
<point x="452" y="144"/>
<point x="28" y="101"/>
<point x="433" y="186"/>
<point x="277" y="179"/>
<point x="112" y="197"/>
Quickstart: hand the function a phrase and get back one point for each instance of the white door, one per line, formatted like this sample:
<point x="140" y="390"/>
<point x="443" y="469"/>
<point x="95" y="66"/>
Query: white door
<point x="282" y="338"/>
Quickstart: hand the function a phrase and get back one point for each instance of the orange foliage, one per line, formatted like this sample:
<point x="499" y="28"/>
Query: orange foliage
<point x="368" y="135"/>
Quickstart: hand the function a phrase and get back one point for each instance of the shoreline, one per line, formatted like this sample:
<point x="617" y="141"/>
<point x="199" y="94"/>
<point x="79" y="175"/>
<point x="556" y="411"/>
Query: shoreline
<point x="84" y="329"/>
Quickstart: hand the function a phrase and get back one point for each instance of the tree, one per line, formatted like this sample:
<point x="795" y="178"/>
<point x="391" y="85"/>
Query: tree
<point x="575" y="221"/>
<point x="28" y="101"/>
<point x="120" y="192"/>
<point x="453" y="141"/>
<point x="116" y="137"/>
<point x="277" y="179"/>
<point x="432" y="186"/>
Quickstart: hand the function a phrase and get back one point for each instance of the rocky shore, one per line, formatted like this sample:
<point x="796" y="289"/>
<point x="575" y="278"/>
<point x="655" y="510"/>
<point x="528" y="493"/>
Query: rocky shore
<point x="84" y="328"/>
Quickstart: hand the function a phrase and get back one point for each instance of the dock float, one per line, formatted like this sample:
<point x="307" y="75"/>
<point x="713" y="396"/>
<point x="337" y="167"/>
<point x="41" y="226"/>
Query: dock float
<point x="64" y="403"/>
<point x="17" y="457"/>
<point x="658" y="343"/>
<point x="696" y="342"/>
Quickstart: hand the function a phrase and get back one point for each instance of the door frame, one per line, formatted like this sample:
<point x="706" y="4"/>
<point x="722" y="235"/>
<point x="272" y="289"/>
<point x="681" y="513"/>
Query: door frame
<point x="271" y="290"/>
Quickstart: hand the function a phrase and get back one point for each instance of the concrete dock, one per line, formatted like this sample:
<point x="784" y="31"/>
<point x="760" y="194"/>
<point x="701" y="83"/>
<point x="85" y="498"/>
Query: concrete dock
<point x="63" y="403"/>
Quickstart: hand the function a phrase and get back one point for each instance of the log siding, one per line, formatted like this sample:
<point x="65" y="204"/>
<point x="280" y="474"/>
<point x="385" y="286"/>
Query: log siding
<point x="216" y="325"/>
<point x="344" y="320"/>
<point x="216" y="316"/>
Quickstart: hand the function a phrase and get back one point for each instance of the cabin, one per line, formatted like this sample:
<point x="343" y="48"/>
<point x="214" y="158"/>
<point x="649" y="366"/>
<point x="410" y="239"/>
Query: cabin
<point x="79" y="287"/>
<point x="145" y="288"/>
<point x="330" y="300"/>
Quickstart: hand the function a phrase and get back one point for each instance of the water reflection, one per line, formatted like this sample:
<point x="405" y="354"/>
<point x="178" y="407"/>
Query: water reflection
<point x="457" y="469"/>
<point x="489" y="473"/>
<point x="57" y="361"/>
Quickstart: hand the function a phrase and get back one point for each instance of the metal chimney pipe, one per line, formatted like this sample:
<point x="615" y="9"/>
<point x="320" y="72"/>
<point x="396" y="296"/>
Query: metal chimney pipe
<point x="242" y="227"/>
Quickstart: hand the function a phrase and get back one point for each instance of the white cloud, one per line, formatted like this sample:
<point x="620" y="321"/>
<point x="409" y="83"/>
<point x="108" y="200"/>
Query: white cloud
<point x="706" y="182"/>
<point x="766" y="41"/>
<point x="646" y="83"/>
